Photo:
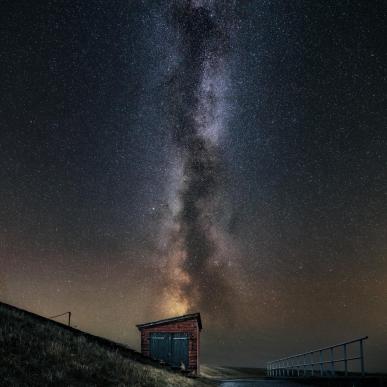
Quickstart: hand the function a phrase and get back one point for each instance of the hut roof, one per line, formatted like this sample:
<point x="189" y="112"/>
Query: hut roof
<point x="191" y="316"/>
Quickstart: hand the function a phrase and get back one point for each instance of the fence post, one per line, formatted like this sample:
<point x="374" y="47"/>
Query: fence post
<point x="321" y="364"/>
<point x="362" y="358"/>
<point x="311" y="362"/>
<point x="345" y="360"/>
<point x="332" y="362"/>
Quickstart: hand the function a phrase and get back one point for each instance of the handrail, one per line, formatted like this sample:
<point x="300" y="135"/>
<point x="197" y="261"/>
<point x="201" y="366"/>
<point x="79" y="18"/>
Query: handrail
<point x="322" y="349"/>
<point x="62" y="314"/>
<point x="301" y="365"/>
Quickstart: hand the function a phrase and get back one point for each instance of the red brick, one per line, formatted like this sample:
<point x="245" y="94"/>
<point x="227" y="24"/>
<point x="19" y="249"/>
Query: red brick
<point x="189" y="326"/>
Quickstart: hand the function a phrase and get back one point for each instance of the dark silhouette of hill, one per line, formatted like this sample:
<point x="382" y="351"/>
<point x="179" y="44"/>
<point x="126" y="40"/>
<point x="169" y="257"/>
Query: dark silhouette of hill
<point x="36" y="351"/>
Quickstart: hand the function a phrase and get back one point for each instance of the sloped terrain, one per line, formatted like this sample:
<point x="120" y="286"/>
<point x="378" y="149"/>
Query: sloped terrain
<point x="35" y="351"/>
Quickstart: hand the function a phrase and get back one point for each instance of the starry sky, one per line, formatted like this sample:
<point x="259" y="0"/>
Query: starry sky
<point x="226" y="157"/>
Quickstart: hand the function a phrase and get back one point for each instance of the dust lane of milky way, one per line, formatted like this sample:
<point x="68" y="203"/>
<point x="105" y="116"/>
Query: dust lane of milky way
<point x="197" y="271"/>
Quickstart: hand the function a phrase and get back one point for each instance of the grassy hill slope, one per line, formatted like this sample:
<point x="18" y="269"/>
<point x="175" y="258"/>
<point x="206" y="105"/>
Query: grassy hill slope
<point x="35" y="351"/>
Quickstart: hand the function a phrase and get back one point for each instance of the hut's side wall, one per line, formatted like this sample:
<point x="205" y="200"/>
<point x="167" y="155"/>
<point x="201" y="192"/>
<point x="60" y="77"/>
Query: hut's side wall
<point x="189" y="326"/>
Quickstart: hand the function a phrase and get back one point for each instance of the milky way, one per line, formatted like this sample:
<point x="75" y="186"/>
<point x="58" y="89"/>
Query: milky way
<point x="198" y="91"/>
<point x="159" y="157"/>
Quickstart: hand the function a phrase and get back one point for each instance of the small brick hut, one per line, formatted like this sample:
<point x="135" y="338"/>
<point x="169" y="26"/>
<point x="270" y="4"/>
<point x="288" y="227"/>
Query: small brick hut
<point x="174" y="341"/>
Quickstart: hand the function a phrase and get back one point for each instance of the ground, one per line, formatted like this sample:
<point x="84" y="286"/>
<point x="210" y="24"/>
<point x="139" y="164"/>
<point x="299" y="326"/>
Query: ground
<point x="38" y="352"/>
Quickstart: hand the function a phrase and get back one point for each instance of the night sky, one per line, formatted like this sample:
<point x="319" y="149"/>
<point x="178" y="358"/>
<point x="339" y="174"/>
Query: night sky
<point x="164" y="157"/>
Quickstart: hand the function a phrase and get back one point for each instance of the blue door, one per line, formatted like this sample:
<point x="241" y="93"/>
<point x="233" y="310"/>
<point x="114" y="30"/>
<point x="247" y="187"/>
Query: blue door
<point x="160" y="346"/>
<point x="171" y="348"/>
<point x="179" y="350"/>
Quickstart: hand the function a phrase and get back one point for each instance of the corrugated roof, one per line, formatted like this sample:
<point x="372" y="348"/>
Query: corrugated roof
<point x="192" y="316"/>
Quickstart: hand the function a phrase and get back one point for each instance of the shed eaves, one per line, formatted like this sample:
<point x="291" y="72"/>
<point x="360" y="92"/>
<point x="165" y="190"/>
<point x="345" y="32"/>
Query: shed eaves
<point x="192" y="316"/>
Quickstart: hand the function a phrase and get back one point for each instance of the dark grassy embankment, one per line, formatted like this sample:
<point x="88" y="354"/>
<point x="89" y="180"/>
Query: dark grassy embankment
<point x="35" y="351"/>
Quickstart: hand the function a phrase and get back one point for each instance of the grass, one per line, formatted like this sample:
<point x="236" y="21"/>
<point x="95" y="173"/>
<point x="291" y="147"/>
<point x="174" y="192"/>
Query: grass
<point x="38" y="352"/>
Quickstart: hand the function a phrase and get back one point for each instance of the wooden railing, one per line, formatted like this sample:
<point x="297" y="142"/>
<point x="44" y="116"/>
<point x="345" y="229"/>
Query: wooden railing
<point x="306" y="364"/>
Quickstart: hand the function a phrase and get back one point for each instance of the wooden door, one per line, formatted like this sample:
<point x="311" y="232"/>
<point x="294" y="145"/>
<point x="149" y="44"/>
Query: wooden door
<point x="160" y="347"/>
<point x="179" y="353"/>
<point x="171" y="348"/>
